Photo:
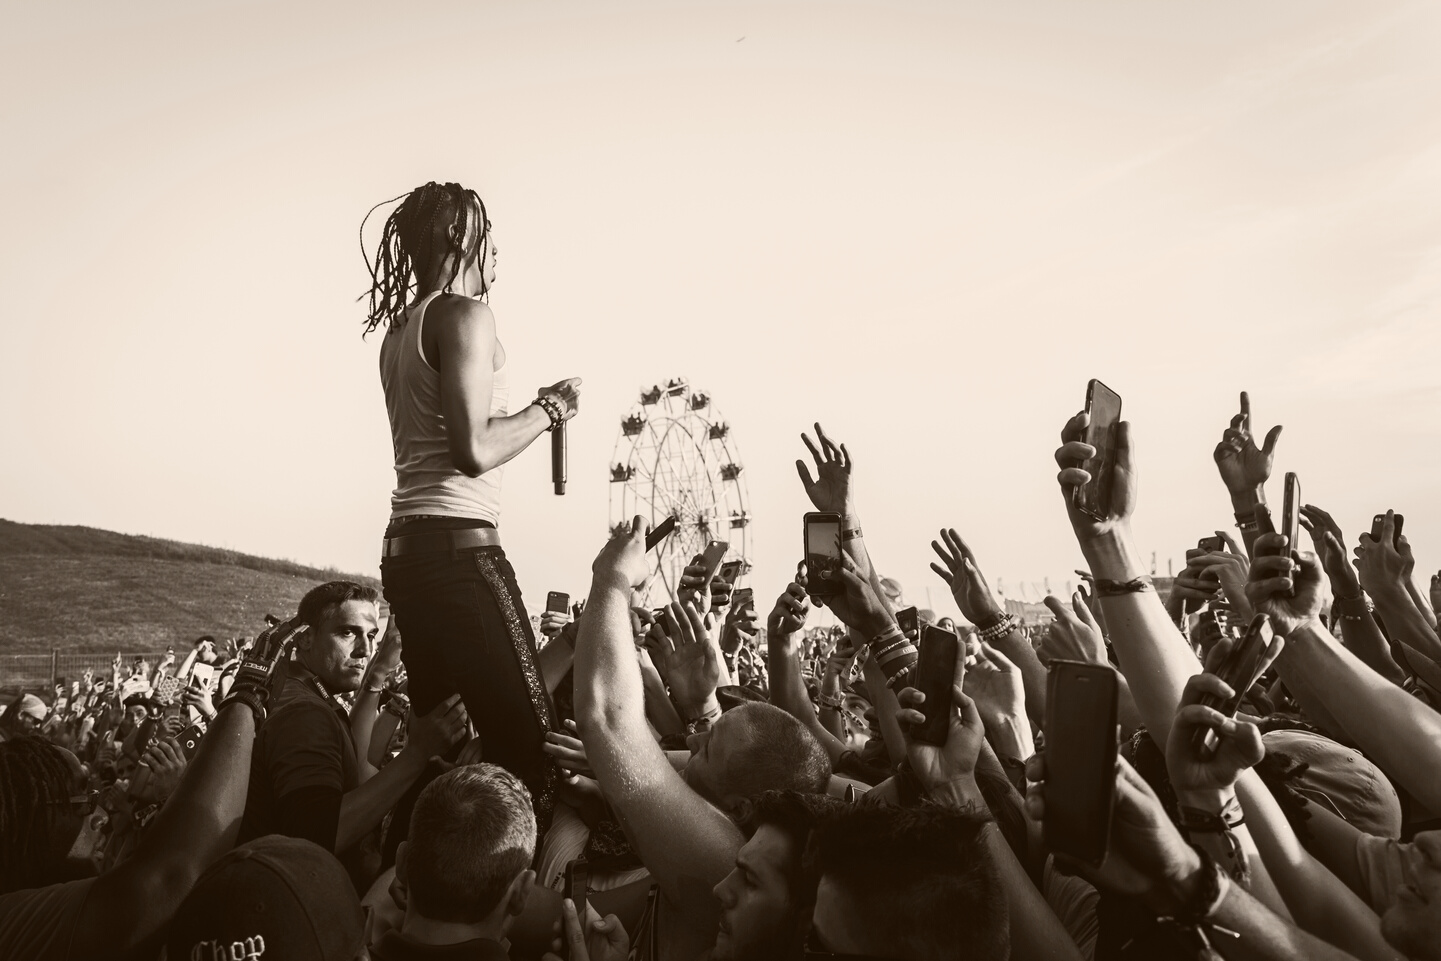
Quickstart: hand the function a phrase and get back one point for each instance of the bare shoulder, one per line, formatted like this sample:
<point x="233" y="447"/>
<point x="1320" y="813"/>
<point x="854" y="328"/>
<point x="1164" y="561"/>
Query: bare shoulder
<point x="459" y="313"/>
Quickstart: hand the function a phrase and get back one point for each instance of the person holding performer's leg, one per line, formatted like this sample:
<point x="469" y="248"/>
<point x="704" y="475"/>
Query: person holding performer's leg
<point x="449" y="585"/>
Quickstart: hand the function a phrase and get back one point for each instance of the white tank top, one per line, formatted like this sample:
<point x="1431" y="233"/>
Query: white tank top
<point x="426" y="482"/>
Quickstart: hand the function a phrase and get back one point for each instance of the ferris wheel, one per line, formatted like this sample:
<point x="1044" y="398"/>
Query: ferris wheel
<point x="675" y="457"/>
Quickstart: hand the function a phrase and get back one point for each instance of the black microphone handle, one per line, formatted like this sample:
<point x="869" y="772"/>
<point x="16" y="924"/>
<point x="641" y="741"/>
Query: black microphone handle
<point x="557" y="457"/>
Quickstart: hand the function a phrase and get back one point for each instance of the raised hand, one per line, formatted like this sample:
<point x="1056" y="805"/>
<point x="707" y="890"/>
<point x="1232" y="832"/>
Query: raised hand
<point x="696" y="589"/>
<point x="1240" y="742"/>
<point x="386" y="657"/>
<point x="831" y="488"/>
<point x="165" y="763"/>
<point x="787" y="620"/>
<point x="1284" y="584"/>
<point x="857" y="607"/>
<point x="1074" y="635"/>
<point x="995" y="684"/>
<point x="1245" y="467"/>
<point x="566" y="393"/>
<point x="946" y="771"/>
<point x="967" y="583"/>
<point x="1380" y="566"/>
<point x="1074" y="452"/>
<point x="252" y="677"/>
<point x="568" y="752"/>
<point x="553" y="622"/>
<point x="693" y="667"/>
<point x="1329" y="542"/>
<point x="1231" y="569"/>
<point x="623" y="556"/>
<point x="739" y="628"/>
<point x="1147" y="858"/>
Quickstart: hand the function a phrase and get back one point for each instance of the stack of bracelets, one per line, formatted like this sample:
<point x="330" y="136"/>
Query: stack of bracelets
<point x="553" y="408"/>
<point x="996" y="626"/>
<point x="895" y="655"/>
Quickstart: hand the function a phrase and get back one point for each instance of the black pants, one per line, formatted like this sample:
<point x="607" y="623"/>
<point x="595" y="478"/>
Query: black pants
<point x="464" y="630"/>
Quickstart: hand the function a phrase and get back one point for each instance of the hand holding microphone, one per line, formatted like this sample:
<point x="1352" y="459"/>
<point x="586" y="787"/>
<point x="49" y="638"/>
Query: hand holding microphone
<point x="560" y="403"/>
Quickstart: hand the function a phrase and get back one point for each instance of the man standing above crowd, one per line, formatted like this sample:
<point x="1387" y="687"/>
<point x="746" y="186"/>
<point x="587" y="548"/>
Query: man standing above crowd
<point x="305" y="778"/>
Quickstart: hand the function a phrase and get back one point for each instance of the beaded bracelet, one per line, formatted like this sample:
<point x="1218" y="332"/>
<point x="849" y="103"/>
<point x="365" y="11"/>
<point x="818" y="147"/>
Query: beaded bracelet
<point x="995" y="632"/>
<point x="552" y="409"/>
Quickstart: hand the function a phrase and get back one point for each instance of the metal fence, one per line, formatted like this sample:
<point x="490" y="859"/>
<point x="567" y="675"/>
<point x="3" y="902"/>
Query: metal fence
<point x="36" y="672"/>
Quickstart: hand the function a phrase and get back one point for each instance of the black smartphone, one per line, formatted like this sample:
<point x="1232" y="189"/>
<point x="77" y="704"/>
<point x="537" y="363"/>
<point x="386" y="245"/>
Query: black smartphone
<point x="823" y="553"/>
<point x="557" y="602"/>
<point x="730" y="570"/>
<point x="1104" y="405"/>
<point x="711" y="558"/>
<point x="934" y="677"/>
<point x="577" y="879"/>
<point x="1378" y="524"/>
<point x="189" y="740"/>
<point x="1242" y="666"/>
<point x="659" y="533"/>
<point x="1080" y="785"/>
<point x="1211" y="545"/>
<point x="1291" y="511"/>
<point x="743" y="598"/>
<point x="909" y="622"/>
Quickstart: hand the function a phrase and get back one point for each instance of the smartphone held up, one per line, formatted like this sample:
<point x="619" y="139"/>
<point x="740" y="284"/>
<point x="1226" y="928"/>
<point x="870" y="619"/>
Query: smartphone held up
<point x="823" y="553"/>
<point x="1081" y="747"/>
<point x="1103" y="405"/>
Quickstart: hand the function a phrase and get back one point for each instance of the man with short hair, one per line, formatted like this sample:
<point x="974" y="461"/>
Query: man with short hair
<point x="912" y="884"/>
<point x="465" y="869"/>
<point x="305" y="779"/>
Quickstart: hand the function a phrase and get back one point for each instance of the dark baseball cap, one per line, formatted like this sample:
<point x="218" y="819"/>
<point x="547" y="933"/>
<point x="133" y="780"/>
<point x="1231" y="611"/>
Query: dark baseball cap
<point x="276" y="898"/>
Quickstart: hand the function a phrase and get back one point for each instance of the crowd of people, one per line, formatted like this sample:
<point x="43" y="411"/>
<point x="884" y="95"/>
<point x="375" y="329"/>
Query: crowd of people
<point x="699" y="782"/>
<point x="739" y="791"/>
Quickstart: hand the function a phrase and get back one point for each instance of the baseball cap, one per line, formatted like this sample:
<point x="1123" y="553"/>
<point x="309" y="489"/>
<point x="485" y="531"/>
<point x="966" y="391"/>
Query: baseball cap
<point x="276" y="898"/>
<point x="1341" y="780"/>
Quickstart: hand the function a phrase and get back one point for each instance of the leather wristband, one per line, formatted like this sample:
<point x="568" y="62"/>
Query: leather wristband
<point x="251" y="699"/>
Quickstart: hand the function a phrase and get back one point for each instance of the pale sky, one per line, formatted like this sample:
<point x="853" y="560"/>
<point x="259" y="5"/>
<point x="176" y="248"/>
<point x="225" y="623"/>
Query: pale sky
<point x="925" y="224"/>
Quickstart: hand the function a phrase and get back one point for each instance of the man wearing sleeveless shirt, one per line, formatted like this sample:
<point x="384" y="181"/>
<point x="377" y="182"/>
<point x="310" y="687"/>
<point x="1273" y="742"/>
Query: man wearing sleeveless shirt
<point x="452" y="591"/>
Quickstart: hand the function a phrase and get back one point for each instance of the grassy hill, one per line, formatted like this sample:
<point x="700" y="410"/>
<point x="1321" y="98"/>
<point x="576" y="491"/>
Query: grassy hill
<point x="83" y="590"/>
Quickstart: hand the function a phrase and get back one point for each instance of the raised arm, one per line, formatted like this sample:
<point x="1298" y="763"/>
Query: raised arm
<point x="687" y="844"/>
<point x="1157" y="661"/>
<point x="464" y="339"/>
<point x="1245" y="468"/>
<point x="1384" y="568"/>
<point x="129" y="905"/>
<point x="788" y="691"/>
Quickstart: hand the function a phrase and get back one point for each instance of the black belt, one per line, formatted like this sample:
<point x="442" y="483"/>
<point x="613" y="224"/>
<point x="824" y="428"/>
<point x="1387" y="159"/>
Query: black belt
<point x="437" y="541"/>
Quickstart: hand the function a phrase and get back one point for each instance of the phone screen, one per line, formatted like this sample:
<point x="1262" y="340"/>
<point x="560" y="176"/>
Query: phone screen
<point x="935" y="676"/>
<point x="823" y="553"/>
<point x="1080" y="758"/>
<point x="1291" y="511"/>
<point x="1104" y="406"/>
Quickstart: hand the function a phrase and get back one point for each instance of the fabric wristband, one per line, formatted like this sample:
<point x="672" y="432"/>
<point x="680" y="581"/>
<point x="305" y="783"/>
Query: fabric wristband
<point x="1136" y="585"/>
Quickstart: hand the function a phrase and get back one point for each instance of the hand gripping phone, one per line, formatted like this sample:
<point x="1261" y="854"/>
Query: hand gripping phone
<point x="1378" y="525"/>
<point x="556" y="602"/>
<point x="744" y="598"/>
<point x="935" y="676"/>
<point x="1080" y="786"/>
<point x="1093" y="498"/>
<point x="1242" y="667"/>
<point x="1211" y="545"/>
<point x="823" y="553"/>
<point x="577" y="879"/>
<point x="715" y="552"/>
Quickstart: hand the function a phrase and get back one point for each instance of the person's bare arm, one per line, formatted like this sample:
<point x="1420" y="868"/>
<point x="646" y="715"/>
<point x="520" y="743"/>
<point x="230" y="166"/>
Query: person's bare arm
<point x="362" y="808"/>
<point x="464" y="332"/>
<point x="687" y="844"/>
<point x="364" y="716"/>
<point x="788" y="691"/>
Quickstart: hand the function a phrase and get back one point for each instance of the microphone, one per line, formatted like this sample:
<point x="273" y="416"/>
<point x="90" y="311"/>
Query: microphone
<point x="557" y="457"/>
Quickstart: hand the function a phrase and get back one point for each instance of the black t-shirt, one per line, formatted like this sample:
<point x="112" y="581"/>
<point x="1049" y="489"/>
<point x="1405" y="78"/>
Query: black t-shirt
<point x="304" y="743"/>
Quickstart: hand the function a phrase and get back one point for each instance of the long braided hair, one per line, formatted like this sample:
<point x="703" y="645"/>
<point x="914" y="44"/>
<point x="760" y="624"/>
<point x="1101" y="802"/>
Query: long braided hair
<point x="431" y="223"/>
<point x="33" y="778"/>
